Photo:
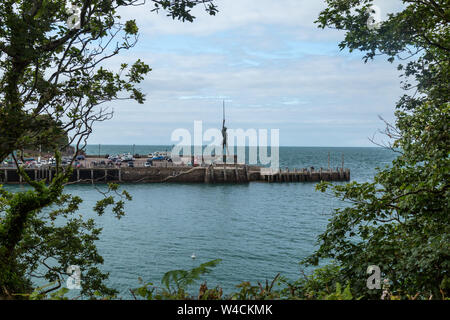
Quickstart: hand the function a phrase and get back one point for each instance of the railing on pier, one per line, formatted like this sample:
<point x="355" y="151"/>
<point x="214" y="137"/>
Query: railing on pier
<point x="305" y="175"/>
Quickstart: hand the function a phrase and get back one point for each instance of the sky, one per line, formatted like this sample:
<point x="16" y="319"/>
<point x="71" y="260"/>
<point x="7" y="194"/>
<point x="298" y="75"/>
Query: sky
<point x="271" y="64"/>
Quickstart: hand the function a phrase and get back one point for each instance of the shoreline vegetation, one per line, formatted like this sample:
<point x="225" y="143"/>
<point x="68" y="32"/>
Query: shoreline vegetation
<point x="180" y="284"/>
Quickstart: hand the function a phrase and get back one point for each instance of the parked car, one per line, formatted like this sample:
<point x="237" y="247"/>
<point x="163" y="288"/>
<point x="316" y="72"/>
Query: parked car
<point x="127" y="157"/>
<point x="131" y="164"/>
<point x="113" y="158"/>
<point x="28" y="164"/>
<point x="81" y="157"/>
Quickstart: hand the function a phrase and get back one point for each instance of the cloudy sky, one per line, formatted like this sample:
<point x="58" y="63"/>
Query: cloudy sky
<point x="270" y="63"/>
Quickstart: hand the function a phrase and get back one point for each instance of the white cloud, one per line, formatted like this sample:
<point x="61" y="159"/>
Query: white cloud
<point x="271" y="64"/>
<point x="246" y="15"/>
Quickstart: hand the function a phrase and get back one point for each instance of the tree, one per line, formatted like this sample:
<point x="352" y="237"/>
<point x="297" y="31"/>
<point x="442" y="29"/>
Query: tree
<point x="52" y="136"/>
<point x="52" y="79"/>
<point x="401" y="220"/>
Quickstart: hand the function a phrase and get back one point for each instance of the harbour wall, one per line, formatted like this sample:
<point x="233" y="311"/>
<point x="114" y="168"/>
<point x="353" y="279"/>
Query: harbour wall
<point x="228" y="173"/>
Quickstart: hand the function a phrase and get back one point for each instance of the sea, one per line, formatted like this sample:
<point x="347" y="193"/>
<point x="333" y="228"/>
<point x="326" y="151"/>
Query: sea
<point x="258" y="229"/>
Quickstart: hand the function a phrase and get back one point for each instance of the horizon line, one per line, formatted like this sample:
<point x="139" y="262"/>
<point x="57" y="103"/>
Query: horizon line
<point x="284" y="146"/>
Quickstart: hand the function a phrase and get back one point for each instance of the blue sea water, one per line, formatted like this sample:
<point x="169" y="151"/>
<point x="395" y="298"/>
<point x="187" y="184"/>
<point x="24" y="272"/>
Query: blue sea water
<point x="257" y="229"/>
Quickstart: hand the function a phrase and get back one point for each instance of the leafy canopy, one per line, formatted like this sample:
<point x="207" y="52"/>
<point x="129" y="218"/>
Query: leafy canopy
<point x="401" y="220"/>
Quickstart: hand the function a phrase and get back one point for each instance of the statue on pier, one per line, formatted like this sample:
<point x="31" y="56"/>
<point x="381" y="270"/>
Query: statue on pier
<point x="224" y="135"/>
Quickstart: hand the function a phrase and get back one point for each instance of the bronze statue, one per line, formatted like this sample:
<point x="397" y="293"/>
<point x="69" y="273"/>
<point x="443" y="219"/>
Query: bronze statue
<point x="224" y="134"/>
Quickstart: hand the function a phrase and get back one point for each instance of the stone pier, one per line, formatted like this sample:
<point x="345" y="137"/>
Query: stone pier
<point x="219" y="173"/>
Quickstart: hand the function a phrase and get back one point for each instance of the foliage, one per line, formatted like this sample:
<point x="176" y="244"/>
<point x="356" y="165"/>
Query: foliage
<point x="181" y="279"/>
<point x="181" y="9"/>
<point x="176" y="282"/>
<point x="53" y="88"/>
<point x="320" y="285"/>
<point x="311" y="287"/>
<point x="51" y="137"/>
<point x="52" y="239"/>
<point x="401" y="220"/>
<point x="317" y="285"/>
<point x="247" y="291"/>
